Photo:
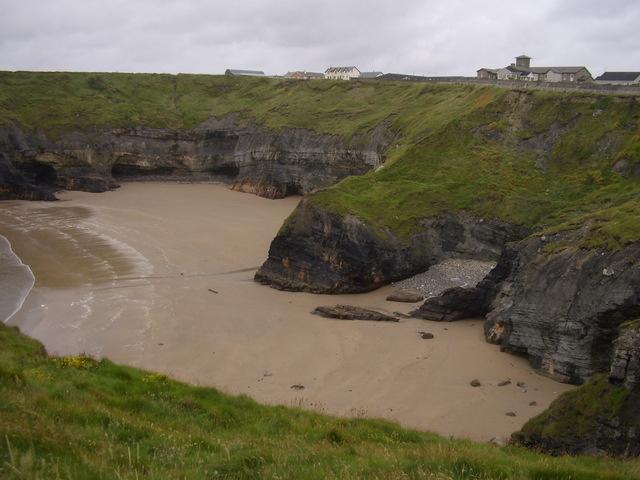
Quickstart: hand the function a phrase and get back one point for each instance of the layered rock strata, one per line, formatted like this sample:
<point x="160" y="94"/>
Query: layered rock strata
<point x="271" y="164"/>
<point x="324" y="252"/>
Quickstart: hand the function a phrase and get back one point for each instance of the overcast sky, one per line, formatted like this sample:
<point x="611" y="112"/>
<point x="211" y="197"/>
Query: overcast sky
<point x="433" y="37"/>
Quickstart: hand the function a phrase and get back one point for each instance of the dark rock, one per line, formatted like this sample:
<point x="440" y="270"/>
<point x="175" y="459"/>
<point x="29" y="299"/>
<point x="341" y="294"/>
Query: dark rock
<point x="297" y="387"/>
<point x="475" y="383"/>
<point x="511" y="414"/>
<point x="563" y="308"/>
<point x="271" y="164"/>
<point x="533" y="404"/>
<point x="454" y="304"/>
<point x="16" y="185"/>
<point x="324" y="252"/>
<point x="504" y="383"/>
<point x="405" y="297"/>
<point x="347" y="312"/>
<point x="625" y="363"/>
<point x="627" y="168"/>
<point x="426" y="335"/>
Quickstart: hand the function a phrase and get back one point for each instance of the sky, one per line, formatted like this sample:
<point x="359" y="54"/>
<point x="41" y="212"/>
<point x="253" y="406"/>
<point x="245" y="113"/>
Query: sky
<point x="427" y="37"/>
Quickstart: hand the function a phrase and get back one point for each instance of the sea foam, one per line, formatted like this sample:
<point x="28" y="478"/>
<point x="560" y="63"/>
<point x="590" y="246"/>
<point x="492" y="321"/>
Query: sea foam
<point x="16" y="281"/>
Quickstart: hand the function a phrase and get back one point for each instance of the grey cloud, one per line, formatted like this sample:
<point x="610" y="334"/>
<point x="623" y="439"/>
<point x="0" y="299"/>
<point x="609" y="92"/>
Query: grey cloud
<point x="436" y="37"/>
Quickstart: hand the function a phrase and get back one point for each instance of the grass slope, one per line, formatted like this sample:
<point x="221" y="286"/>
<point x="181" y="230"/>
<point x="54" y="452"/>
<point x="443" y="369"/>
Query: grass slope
<point x="75" y="418"/>
<point x="536" y="159"/>
<point x="542" y="159"/>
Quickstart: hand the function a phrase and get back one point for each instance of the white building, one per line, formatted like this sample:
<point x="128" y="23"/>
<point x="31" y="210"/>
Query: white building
<point x="341" y="73"/>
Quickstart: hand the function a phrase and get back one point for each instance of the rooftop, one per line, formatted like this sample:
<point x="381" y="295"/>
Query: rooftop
<point x="257" y="73"/>
<point x="619" y="76"/>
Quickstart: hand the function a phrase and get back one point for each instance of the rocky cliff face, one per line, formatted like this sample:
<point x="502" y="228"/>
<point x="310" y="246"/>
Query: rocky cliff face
<point x="323" y="252"/>
<point x="15" y="185"/>
<point x="253" y="159"/>
<point x="563" y="309"/>
<point x="603" y="416"/>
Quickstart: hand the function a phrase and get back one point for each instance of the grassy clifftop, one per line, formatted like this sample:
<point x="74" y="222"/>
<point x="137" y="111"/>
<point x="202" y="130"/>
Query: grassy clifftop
<point x="76" y="418"/>
<point x="60" y="102"/>
<point x="544" y="159"/>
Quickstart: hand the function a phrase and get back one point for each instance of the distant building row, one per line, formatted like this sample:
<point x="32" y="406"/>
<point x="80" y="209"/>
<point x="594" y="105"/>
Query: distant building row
<point x="332" y="73"/>
<point x="522" y="70"/>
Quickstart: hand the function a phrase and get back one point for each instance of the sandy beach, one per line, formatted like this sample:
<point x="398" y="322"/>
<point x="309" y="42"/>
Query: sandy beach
<point x="159" y="276"/>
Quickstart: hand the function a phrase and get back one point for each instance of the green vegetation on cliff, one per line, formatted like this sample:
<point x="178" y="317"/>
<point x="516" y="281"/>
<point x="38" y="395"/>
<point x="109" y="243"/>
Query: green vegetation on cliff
<point x="531" y="158"/>
<point x="597" y="417"/>
<point x="547" y="160"/>
<point x="76" y="418"/>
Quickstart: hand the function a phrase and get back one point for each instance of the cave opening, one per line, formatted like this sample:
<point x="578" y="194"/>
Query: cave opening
<point x="40" y="173"/>
<point x="226" y="171"/>
<point x="292" y="189"/>
<point x="122" y="170"/>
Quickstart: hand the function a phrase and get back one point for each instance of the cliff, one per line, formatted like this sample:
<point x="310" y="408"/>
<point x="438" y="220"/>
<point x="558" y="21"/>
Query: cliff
<point x="319" y="251"/>
<point x="600" y="418"/>
<point x="254" y="159"/>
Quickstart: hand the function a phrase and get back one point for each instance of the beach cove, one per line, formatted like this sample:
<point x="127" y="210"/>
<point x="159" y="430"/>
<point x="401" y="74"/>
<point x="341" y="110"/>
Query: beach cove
<point x="160" y="276"/>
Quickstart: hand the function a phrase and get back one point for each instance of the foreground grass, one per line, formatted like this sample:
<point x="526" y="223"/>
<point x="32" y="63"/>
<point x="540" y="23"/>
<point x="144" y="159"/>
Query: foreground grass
<point x="75" y="418"/>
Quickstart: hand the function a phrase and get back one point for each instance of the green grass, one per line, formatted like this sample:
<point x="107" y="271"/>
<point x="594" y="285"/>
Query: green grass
<point x="480" y="162"/>
<point x="76" y="418"/>
<point x="61" y="102"/>
<point x="575" y="413"/>
<point x="458" y="147"/>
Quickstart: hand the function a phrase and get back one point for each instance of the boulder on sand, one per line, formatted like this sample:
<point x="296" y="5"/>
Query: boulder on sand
<point x="454" y="304"/>
<point x="348" y="312"/>
<point x="404" y="297"/>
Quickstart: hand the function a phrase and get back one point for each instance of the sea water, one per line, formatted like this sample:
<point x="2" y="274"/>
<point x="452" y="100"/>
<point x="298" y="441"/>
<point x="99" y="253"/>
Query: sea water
<point x="16" y="281"/>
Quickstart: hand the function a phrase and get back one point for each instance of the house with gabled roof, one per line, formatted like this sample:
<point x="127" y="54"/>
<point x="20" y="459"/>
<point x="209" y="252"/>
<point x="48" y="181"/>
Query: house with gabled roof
<point x="342" y="73"/>
<point x="619" y="78"/>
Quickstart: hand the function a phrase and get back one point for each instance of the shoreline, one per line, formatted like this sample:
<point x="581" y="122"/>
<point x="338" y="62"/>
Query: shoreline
<point x="13" y="273"/>
<point x="248" y="338"/>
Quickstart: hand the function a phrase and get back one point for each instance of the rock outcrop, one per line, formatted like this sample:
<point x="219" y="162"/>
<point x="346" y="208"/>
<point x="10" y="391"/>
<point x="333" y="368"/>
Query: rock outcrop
<point x="271" y="164"/>
<point x="563" y="308"/>
<point x="16" y="185"/>
<point x="324" y="252"/>
<point x="401" y="296"/>
<point x="600" y="418"/>
<point x="348" y="312"/>
<point x="559" y="305"/>
<point x="454" y="304"/>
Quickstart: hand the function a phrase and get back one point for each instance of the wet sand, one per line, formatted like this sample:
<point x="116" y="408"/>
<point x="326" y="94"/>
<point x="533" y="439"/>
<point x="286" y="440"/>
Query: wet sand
<point x="131" y="275"/>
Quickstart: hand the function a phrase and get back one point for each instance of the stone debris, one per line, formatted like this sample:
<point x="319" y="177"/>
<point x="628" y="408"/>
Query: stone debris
<point x="504" y="383"/>
<point x="475" y="383"/>
<point x="297" y="387"/>
<point x="426" y="335"/>
<point x="511" y="414"/>
<point x="446" y="275"/>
